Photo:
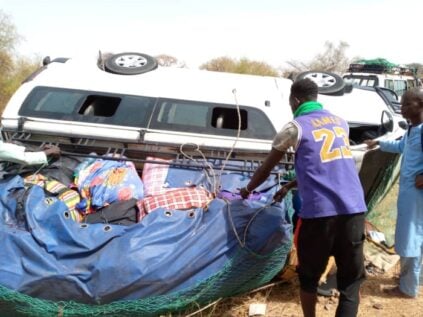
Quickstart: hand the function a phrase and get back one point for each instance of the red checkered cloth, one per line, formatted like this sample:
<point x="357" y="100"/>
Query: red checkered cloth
<point x="141" y="213"/>
<point x="178" y="198"/>
<point x="154" y="177"/>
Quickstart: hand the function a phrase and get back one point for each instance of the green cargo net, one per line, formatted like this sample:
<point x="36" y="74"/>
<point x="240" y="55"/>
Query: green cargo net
<point x="242" y="273"/>
<point x="383" y="203"/>
<point x="380" y="65"/>
<point x="377" y="61"/>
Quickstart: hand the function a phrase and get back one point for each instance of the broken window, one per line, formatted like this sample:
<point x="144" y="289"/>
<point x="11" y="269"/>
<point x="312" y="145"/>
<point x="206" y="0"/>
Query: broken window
<point x="226" y="118"/>
<point x="99" y="106"/>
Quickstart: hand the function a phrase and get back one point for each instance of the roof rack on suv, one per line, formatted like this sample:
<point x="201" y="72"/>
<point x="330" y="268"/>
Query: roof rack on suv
<point x="379" y="66"/>
<point x="380" y="69"/>
<point x="139" y="153"/>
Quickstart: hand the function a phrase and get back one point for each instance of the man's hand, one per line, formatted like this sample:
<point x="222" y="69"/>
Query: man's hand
<point x="244" y="192"/>
<point x="419" y="181"/>
<point x="371" y="143"/>
<point x="281" y="193"/>
<point x="52" y="151"/>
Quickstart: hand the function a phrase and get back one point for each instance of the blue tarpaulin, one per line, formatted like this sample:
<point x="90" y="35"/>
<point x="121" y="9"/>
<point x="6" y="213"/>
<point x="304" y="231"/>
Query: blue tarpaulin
<point x="47" y="255"/>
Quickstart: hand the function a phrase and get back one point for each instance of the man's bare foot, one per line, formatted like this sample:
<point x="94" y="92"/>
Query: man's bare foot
<point x="395" y="291"/>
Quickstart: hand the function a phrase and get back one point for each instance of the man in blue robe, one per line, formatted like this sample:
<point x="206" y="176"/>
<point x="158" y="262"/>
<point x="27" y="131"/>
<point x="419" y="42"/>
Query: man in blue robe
<point x="409" y="226"/>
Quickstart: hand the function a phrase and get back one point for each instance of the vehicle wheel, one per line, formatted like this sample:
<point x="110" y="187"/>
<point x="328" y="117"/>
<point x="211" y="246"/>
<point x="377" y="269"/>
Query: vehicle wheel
<point x="328" y="83"/>
<point x="130" y="63"/>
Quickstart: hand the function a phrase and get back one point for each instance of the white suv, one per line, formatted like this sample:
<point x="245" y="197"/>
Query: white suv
<point x="397" y="79"/>
<point x="127" y="105"/>
<point x="127" y="102"/>
<point x="141" y="104"/>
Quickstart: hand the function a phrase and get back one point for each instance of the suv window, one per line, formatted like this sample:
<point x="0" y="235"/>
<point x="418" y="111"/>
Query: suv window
<point x="137" y="111"/>
<point x="44" y="100"/>
<point x="361" y="80"/>
<point x="400" y="87"/>
<point x="389" y="83"/>
<point x="183" y="113"/>
<point x="88" y="106"/>
<point x="211" y="118"/>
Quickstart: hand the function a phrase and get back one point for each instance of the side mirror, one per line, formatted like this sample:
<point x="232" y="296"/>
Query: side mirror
<point x="46" y="60"/>
<point x="403" y="125"/>
<point x="387" y="121"/>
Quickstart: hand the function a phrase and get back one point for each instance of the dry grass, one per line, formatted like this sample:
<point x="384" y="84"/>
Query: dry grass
<point x="283" y="301"/>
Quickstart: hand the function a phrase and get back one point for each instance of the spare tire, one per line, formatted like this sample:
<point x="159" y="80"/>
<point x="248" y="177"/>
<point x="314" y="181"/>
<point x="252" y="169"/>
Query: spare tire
<point x="130" y="63"/>
<point x="327" y="82"/>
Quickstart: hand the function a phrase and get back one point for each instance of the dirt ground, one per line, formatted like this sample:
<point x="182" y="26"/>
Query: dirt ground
<point x="282" y="300"/>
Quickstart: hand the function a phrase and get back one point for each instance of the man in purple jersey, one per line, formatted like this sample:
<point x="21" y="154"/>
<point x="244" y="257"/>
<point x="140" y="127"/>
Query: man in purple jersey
<point x="333" y="206"/>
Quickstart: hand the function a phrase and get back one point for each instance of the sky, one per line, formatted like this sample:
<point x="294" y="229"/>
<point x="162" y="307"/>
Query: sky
<point x="195" y="31"/>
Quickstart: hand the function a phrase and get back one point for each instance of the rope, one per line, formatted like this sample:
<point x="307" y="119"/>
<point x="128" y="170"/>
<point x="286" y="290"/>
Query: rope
<point x="213" y="183"/>
<point x="242" y="243"/>
<point x="39" y="169"/>
<point x="204" y="308"/>
<point x="238" y="132"/>
<point x="216" y="182"/>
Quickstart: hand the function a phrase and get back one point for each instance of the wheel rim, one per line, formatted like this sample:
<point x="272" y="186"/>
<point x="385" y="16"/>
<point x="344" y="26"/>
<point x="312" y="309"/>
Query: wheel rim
<point x="130" y="61"/>
<point x="321" y="79"/>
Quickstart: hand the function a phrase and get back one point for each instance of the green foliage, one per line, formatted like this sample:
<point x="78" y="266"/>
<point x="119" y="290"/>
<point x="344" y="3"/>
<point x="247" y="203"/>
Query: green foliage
<point x="22" y="67"/>
<point x="242" y="66"/>
<point x="13" y="69"/>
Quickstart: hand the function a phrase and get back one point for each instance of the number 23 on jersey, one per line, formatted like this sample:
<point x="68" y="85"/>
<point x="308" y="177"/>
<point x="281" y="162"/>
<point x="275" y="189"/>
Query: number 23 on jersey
<point x="327" y="151"/>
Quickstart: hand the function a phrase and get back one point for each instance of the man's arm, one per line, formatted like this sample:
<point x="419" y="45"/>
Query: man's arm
<point x="393" y="146"/>
<point x="262" y="172"/>
<point x="285" y="139"/>
<point x="15" y="153"/>
<point x="281" y="193"/>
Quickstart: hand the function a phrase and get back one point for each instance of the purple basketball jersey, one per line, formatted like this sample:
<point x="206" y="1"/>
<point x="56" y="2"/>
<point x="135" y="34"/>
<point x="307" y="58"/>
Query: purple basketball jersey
<point x="328" y="181"/>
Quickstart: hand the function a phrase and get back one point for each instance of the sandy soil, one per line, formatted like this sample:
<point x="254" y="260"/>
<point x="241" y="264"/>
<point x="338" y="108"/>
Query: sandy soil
<point x="283" y="301"/>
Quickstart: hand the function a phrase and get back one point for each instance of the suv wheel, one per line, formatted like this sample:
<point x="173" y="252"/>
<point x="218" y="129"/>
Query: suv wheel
<point x="130" y="63"/>
<point x="328" y="83"/>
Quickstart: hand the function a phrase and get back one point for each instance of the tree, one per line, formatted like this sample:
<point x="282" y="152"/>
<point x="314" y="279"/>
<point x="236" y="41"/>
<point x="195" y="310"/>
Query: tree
<point x="13" y="69"/>
<point x="8" y="35"/>
<point x="242" y="66"/>
<point x="23" y="67"/>
<point x="8" y="40"/>
<point x="333" y="59"/>
<point x="169" y="61"/>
